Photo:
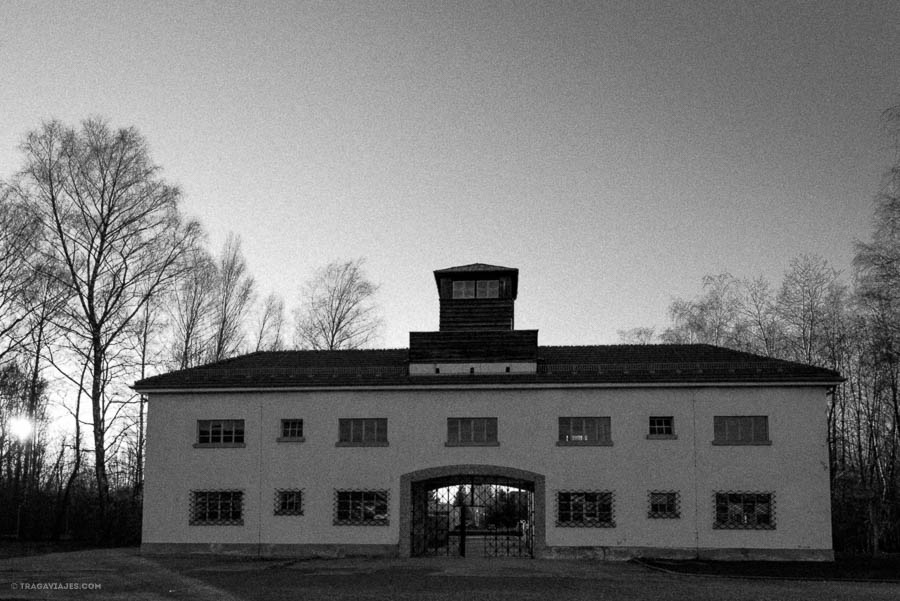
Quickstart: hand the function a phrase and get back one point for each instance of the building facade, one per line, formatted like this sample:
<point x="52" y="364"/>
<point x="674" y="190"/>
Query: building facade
<point x="477" y="441"/>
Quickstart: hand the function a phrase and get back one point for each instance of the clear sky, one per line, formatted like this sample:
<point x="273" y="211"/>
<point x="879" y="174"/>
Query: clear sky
<point x="615" y="152"/>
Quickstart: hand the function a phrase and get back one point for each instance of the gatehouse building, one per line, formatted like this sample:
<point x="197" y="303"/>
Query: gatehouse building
<point x="477" y="441"/>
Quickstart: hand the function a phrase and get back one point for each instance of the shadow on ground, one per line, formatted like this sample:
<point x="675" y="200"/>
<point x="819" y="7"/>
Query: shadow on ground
<point x="885" y="568"/>
<point x="124" y="574"/>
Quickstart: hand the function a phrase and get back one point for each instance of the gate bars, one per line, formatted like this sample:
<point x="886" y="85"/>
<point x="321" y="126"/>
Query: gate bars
<point x="473" y="516"/>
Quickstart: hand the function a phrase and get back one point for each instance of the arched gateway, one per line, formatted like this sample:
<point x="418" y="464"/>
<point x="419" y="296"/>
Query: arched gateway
<point x="472" y="510"/>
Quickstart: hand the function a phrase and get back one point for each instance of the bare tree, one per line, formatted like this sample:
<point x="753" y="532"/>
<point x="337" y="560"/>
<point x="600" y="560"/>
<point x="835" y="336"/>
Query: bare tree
<point x="639" y="335"/>
<point x="802" y="306"/>
<point x="877" y="262"/>
<point x="269" y="331"/>
<point x="113" y="227"/>
<point x="17" y="295"/>
<point x="190" y="311"/>
<point x="877" y="265"/>
<point x="232" y="301"/>
<point x="757" y="308"/>
<point x="337" y="309"/>
<point x="711" y="318"/>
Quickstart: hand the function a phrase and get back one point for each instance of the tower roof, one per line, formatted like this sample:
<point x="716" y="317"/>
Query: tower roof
<point x="476" y="267"/>
<point x="479" y="271"/>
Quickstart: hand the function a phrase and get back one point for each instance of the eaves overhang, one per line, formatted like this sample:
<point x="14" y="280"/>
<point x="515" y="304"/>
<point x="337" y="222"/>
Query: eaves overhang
<point x="484" y="386"/>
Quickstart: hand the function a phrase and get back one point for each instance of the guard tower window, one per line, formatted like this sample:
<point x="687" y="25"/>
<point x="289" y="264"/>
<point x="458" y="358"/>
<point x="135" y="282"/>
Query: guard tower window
<point x="476" y="289"/>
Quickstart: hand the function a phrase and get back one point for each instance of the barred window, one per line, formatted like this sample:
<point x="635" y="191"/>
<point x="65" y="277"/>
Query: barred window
<point x="216" y="508"/>
<point x="464" y="431"/>
<point x="361" y="508"/>
<point x="584" y="431"/>
<point x="664" y="504"/>
<point x="745" y="510"/>
<point x="362" y="432"/>
<point x="741" y="429"/>
<point x="291" y="429"/>
<point x="288" y="502"/>
<point x="662" y="426"/>
<point x="220" y="432"/>
<point x="584" y="509"/>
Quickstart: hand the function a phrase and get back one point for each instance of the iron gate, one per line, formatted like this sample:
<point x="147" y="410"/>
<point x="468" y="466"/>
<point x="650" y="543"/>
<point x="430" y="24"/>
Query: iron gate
<point x="473" y="516"/>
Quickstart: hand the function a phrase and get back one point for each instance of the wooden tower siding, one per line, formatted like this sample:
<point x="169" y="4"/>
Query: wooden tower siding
<point x="472" y="346"/>
<point x="477" y="314"/>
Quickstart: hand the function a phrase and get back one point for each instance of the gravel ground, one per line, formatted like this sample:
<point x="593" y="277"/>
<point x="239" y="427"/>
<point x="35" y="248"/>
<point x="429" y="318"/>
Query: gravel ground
<point x="123" y="574"/>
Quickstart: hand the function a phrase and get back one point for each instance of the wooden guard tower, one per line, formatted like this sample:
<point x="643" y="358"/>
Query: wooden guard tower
<point x="476" y="332"/>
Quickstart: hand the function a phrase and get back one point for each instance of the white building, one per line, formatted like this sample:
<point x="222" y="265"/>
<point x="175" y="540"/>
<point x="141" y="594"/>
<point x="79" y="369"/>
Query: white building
<point x="477" y="441"/>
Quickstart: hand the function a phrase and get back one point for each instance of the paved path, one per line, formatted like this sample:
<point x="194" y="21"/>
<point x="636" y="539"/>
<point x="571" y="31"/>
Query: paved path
<point x="125" y="575"/>
<point x="100" y="575"/>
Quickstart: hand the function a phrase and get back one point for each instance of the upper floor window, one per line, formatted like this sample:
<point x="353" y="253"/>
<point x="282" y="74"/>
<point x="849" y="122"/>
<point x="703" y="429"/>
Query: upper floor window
<point x="291" y="430"/>
<point x="362" y="432"/>
<point x="661" y="427"/>
<point x="741" y="429"/>
<point x="474" y="431"/>
<point x="586" y="431"/>
<point x="476" y="289"/>
<point x="220" y="432"/>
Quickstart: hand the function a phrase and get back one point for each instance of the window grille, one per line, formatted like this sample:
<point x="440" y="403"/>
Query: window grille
<point x="664" y="504"/>
<point x="661" y="426"/>
<point x="292" y="428"/>
<point x="585" y="509"/>
<point x="216" y="508"/>
<point x="741" y="429"/>
<point x="289" y="502"/>
<point x="220" y="431"/>
<point x="361" y="507"/>
<point x="584" y="430"/>
<point x="739" y="510"/>
<point x="364" y="431"/>
<point x="471" y="430"/>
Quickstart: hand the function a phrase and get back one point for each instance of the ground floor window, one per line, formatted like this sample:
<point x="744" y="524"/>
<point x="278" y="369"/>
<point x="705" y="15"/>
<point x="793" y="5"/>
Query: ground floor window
<point x="585" y="509"/>
<point x="288" y="502"/>
<point x="745" y="510"/>
<point x="217" y="508"/>
<point x="664" y="504"/>
<point x="361" y="508"/>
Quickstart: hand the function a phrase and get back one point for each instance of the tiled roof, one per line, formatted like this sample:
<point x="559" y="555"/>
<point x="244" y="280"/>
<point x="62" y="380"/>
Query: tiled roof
<point x="613" y="364"/>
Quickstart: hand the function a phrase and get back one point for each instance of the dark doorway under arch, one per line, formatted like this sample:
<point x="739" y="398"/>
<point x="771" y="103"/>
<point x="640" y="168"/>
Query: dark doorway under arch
<point x="472" y="511"/>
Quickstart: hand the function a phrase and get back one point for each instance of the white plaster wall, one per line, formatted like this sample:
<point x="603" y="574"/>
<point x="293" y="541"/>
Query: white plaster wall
<point x="794" y="466"/>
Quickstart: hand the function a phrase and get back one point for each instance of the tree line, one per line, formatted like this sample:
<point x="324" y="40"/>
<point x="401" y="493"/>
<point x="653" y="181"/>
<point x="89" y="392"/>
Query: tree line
<point x="849" y="323"/>
<point x="103" y="281"/>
